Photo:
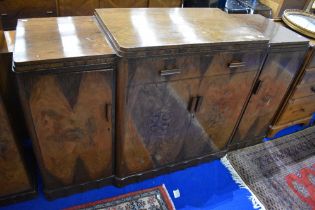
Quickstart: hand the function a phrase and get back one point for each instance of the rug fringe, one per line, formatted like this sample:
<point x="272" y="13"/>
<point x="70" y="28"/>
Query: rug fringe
<point x="256" y="203"/>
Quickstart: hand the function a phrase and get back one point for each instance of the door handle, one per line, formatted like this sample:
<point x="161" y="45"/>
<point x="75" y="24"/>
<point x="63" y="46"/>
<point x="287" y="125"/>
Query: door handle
<point x="192" y="104"/>
<point x="235" y="65"/>
<point x="169" y="72"/>
<point x="198" y="103"/>
<point x="257" y="87"/>
<point x="195" y="104"/>
<point x="108" y="112"/>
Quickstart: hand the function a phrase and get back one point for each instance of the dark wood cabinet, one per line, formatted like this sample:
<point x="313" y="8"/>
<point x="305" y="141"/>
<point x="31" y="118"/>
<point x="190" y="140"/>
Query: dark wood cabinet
<point x="68" y="103"/>
<point x="11" y="10"/>
<point x="281" y="66"/>
<point x="123" y="3"/>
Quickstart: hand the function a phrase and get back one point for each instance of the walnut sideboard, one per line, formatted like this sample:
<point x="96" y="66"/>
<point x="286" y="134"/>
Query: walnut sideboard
<point x="132" y="93"/>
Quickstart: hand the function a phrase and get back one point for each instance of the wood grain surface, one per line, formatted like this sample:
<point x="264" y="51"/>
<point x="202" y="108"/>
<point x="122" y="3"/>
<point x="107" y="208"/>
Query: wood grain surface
<point x="72" y="120"/>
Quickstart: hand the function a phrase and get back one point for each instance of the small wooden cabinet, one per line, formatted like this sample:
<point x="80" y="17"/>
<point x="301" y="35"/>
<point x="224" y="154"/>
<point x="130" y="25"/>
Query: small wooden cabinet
<point x="68" y="102"/>
<point x="300" y="104"/>
<point x="281" y="67"/>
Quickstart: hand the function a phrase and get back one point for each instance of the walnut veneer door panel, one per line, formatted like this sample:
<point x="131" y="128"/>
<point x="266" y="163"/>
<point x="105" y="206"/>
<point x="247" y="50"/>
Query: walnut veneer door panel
<point x="13" y="10"/>
<point x="176" y="121"/>
<point x="13" y="176"/>
<point x="278" y="73"/>
<point x="72" y="113"/>
<point x="77" y="7"/>
<point x="123" y="3"/>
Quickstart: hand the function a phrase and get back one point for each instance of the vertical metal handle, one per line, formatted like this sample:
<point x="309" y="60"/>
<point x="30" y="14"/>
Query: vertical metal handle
<point x="108" y="112"/>
<point x="195" y="104"/>
<point x="198" y="103"/>
<point x="192" y="104"/>
<point x="257" y="87"/>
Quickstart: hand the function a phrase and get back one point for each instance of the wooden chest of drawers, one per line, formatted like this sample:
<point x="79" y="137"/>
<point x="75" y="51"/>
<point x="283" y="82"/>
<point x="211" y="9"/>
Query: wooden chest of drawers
<point x="178" y="100"/>
<point x="300" y="104"/>
<point x="67" y="94"/>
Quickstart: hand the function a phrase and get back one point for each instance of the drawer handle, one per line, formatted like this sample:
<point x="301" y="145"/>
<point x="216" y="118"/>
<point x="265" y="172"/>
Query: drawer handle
<point x="108" y="112"/>
<point x="235" y="65"/>
<point x="313" y="89"/>
<point x="170" y="72"/>
<point x="49" y="12"/>
<point x="4" y="14"/>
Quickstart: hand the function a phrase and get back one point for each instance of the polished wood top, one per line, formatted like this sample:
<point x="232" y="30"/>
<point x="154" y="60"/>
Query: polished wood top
<point x="276" y="32"/>
<point x="43" y="39"/>
<point x="156" y="28"/>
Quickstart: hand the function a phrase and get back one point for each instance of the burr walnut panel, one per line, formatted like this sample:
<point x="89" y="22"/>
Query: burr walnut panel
<point x="176" y="121"/>
<point x="72" y="113"/>
<point x="185" y="67"/>
<point x="277" y="75"/>
<point x="13" y="177"/>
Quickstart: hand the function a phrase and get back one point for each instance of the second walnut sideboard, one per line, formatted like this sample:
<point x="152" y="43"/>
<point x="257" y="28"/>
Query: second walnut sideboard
<point x="134" y="93"/>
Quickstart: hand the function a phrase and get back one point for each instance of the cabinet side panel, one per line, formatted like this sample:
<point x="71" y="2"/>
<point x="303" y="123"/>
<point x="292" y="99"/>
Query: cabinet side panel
<point x="13" y="176"/>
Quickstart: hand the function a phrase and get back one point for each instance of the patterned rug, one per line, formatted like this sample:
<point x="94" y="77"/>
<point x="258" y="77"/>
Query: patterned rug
<point x="156" y="198"/>
<point x="280" y="174"/>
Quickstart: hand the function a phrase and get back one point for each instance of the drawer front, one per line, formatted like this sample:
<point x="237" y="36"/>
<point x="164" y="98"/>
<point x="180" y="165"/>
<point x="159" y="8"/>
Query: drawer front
<point x="304" y="91"/>
<point x="154" y="70"/>
<point x="123" y="3"/>
<point x="72" y="119"/>
<point x="165" y="3"/>
<point x="77" y="7"/>
<point x="10" y="10"/>
<point x="309" y="77"/>
<point x="298" y="109"/>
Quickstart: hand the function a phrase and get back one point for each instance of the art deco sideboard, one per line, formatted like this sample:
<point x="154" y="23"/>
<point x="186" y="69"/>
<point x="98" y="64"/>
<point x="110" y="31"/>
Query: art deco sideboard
<point x="167" y="90"/>
<point x="65" y="72"/>
<point x="181" y="85"/>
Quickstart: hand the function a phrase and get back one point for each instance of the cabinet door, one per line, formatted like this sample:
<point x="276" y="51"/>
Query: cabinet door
<point x="71" y="113"/>
<point x="13" y="176"/>
<point x="13" y="10"/>
<point x="77" y="7"/>
<point x="275" y="79"/>
<point x="123" y="3"/>
<point x="181" y="120"/>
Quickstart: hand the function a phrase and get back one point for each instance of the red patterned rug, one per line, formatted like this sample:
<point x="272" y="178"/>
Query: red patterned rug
<point x="280" y="173"/>
<point x="156" y="198"/>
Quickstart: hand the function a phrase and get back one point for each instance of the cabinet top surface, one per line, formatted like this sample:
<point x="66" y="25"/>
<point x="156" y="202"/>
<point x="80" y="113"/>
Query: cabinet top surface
<point x="42" y="39"/>
<point x="275" y="32"/>
<point x="147" y="28"/>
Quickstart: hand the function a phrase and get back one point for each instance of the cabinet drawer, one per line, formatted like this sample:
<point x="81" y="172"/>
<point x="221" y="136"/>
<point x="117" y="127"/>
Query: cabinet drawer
<point x="10" y="10"/>
<point x="309" y="77"/>
<point x="304" y="91"/>
<point x="155" y="70"/>
<point x="298" y="109"/>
